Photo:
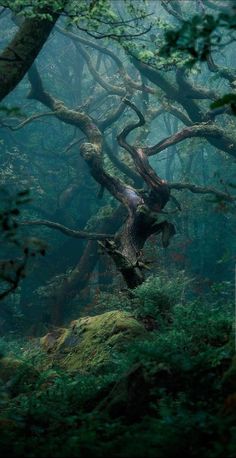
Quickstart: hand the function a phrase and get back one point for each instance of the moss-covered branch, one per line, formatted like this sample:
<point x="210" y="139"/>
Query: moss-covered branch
<point x="206" y="130"/>
<point x="20" y="53"/>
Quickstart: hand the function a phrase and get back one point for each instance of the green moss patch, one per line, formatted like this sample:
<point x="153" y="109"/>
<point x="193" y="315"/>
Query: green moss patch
<point x="93" y="343"/>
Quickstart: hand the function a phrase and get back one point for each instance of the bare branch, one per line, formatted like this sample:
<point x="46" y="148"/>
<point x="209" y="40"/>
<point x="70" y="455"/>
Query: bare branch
<point x="202" y="190"/>
<point x="112" y="117"/>
<point x="92" y="44"/>
<point x="111" y="88"/>
<point x="126" y="131"/>
<point x="67" y="231"/>
<point x="114" y="36"/>
<point x="26" y="121"/>
<point x="205" y="130"/>
<point x="219" y="138"/>
<point x="129" y="83"/>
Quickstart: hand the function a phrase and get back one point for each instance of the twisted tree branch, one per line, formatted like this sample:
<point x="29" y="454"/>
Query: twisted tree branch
<point x="202" y="190"/>
<point x="27" y="120"/>
<point x="67" y="231"/>
<point x="204" y="130"/>
<point x="129" y="83"/>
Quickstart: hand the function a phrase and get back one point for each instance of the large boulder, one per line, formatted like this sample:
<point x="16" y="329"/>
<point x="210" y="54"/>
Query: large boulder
<point x="92" y="344"/>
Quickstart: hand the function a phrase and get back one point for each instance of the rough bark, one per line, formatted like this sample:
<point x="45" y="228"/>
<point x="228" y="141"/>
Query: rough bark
<point x="141" y="221"/>
<point x="142" y="207"/>
<point x="208" y="130"/>
<point x="19" y="55"/>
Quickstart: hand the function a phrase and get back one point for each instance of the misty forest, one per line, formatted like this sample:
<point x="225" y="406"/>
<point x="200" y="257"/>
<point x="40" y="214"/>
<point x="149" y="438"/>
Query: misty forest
<point x="117" y="228"/>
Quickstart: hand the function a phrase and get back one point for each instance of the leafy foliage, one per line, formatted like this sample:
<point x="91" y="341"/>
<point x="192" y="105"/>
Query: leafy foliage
<point x="19" y="250"/>
<point x="199" y="36"/>
<point x="227" y="99"/>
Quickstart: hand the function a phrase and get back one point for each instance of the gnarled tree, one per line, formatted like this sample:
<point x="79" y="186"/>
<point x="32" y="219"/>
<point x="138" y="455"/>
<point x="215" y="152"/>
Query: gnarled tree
<point x="123" y="84"/>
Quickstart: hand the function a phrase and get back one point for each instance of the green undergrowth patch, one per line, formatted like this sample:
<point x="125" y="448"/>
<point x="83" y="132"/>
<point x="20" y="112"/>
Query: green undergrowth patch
<point x="155" y="376"/>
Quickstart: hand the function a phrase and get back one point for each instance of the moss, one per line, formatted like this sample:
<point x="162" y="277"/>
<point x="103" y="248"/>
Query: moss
<point x="93" y="343"/>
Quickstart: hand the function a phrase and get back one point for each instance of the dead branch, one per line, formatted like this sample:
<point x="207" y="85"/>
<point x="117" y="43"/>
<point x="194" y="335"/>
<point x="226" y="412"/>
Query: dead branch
<point x="27" y="120"/>
<point x="129" y="83"/>
<point x="204" y="130"/>
<point x="110" y="88"/>
<point x="67" y="231"/>
<point x="221" y="140"/>
<point x="202" y="190"/>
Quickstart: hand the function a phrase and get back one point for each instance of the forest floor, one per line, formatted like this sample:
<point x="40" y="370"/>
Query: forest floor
<point x="146" y="379"/>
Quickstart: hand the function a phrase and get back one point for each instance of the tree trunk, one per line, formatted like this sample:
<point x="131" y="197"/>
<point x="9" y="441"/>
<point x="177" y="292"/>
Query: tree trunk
<point x="19" y="55"/>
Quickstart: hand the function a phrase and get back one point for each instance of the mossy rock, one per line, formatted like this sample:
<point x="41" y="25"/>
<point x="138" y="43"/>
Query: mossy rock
<point x="92" y="344"/>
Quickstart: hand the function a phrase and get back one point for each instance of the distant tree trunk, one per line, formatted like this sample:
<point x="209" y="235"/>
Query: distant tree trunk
<point x="79" y="277"/>
<point x="105" y="273"/>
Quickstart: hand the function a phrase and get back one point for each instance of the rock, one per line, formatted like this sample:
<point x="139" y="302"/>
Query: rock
<point x="91" y="344"/>
<point x="49" y="341"/>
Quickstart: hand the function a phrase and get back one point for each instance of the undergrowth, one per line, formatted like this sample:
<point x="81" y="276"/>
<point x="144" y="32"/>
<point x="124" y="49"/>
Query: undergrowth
<point x="172" y="389"/>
